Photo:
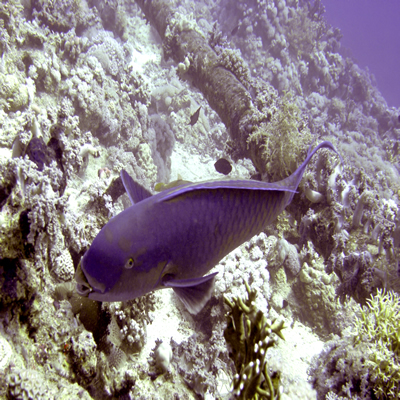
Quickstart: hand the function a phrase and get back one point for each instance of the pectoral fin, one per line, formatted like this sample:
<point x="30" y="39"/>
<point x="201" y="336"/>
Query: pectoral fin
<point x="194" y="293"/>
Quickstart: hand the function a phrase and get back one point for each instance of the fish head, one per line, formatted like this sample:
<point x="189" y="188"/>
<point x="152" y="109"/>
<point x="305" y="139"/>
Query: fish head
<point x="120" y="264"/>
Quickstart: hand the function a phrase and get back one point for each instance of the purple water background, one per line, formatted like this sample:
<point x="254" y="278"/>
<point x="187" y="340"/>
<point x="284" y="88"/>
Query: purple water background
<point x="371" y="34"/>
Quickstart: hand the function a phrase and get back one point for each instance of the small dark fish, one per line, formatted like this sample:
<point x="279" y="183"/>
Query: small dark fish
<point x="223" y="166"/>
<point x="195" y="117"/>
<point x="398" y="118"/>
<point x="396" y="148"/>
<point x="235" y="30"/>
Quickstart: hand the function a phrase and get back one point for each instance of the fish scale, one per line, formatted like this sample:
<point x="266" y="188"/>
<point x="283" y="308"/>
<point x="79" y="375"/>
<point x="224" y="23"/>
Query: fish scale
<point x="229" y="223"/>
<point x="172" y="239"/>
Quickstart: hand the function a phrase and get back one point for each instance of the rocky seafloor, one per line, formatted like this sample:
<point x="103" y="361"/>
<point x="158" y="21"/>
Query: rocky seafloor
<point x="88" y="88"/>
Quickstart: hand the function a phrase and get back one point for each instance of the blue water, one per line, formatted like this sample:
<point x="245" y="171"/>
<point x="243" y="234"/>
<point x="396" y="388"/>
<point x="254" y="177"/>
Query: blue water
<point x="371" y="32"/>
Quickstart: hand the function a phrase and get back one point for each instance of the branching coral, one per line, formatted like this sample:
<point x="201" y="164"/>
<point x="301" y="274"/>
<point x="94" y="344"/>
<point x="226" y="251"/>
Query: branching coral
<point x="250" y="334"/>
<point x="378" y="328"/>
<point x="365" y="363"/>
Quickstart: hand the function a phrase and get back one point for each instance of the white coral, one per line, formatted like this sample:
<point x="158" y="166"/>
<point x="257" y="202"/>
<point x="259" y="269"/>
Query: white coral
<point x="5" y="353"/>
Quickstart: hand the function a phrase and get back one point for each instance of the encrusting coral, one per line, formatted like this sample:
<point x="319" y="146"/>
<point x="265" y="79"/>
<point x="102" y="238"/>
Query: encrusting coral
<point x="250" y="334"/>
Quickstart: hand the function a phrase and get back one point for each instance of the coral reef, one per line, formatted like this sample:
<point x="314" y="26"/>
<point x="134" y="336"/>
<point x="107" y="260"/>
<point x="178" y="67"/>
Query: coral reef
<point x="88" y="89"/>
<point x="197" y="363"/>
<point x="364" y="363"/>
<point x="83" y="357"/>
<point x="127" y="328"/>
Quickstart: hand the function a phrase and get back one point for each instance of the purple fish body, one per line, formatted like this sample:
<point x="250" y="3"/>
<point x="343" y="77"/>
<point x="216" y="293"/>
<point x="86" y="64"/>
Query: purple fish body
<point x="172" y="239"/>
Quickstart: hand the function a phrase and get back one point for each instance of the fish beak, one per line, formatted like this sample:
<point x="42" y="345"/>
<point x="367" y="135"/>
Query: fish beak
<point x="82" y="285"/>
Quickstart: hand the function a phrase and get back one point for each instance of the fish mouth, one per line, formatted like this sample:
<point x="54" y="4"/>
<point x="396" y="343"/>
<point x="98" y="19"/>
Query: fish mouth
<point x="82" y="285"/>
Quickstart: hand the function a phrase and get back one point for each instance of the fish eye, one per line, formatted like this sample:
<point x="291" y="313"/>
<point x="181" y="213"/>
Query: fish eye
<point x="129" y="264"/>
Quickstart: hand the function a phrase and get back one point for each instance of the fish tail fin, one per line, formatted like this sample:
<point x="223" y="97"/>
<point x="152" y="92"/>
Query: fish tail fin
<point x="293" y="180"/>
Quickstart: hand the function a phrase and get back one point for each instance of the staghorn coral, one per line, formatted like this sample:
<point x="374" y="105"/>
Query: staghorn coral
<point x="249" y="334"/>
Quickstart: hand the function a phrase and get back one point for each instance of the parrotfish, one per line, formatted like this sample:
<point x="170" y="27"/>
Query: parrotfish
<point x="175" y="237"/>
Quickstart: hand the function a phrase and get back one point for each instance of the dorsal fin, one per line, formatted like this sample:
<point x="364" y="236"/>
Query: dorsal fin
<point x="135" y="191"/>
